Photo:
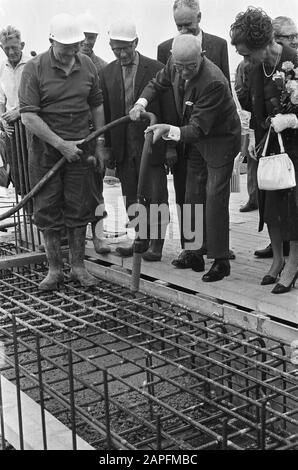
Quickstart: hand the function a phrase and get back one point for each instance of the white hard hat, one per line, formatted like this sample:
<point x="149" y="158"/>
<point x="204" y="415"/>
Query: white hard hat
<point x="87" y="23"/>
<point x="123" y="30"/>
<point x="65" y="28"/>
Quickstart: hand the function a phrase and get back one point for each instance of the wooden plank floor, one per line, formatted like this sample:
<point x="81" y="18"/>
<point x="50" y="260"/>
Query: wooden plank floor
<point x="241" y="288"/>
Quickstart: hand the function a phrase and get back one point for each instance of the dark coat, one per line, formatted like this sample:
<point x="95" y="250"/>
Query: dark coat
<point x="251" y="97"/>
<point x="211" y="123"/>
<point x="215" y="48"/>
<point x="114" y="105"/>
<point x="251" y="94"/>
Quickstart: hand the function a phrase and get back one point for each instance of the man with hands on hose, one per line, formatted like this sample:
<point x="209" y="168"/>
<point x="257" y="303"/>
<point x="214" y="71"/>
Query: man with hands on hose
<point x="210" y="129"/>
<point x="58" y="89"/>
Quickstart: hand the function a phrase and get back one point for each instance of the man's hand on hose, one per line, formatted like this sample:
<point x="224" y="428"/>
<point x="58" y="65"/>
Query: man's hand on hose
<point x="135" y="112"/>
<point x="69" y="150"/>
<point x="159" y="131"/>
<point x="12" y="115"/>
<point x="103" y="155"/>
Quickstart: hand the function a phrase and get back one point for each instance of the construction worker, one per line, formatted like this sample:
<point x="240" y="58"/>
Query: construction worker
<point x="58" y="89"/>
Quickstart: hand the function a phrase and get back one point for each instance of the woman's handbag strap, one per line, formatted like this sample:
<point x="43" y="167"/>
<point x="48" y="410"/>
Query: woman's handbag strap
<point x="280" y="141"/>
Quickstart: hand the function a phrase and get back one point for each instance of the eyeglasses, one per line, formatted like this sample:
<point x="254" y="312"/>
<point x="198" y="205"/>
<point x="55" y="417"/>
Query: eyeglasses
<point x="290" y="37"/>
<point x="189" y="67"/>
<point x="126" y="49"/>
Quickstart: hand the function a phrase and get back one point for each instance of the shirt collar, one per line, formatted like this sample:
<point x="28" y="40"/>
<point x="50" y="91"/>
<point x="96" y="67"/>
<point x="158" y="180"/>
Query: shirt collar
<point x="23" y="60"/>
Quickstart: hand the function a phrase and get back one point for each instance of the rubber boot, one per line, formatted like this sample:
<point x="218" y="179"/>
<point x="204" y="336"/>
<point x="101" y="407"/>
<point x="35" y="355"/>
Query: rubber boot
<point x="79" y="273"/>
<point x="52" y="242"/>
<point x="154" y="252"/>
<point x="100" y="245"/>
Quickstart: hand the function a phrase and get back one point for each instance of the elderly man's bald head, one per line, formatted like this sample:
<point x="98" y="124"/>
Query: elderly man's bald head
<point x="186" y="46"/>
<point x="187" y="55"/>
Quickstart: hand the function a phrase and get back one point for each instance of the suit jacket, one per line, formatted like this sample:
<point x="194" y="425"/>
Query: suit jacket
<point x="215" y="48"/>
<point x="114" y="106"/>
<point x="208" y="116"/>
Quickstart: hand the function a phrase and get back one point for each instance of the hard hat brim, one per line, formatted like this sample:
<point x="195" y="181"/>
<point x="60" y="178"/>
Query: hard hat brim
<point x="71" y="40"/>
<point x="123" y="38"/>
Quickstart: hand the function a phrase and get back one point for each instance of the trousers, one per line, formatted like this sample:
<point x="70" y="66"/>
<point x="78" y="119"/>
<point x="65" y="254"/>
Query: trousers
<point x="66" y="200"/>
<point x="209" y="187"/>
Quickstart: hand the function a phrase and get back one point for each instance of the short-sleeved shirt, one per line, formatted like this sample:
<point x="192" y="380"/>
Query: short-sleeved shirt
<point x="62" y="101"/>
<point x="10" y="78"/>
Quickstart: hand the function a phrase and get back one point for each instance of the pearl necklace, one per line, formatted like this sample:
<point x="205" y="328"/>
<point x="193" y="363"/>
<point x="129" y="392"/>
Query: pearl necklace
<point x="274" y="68"/>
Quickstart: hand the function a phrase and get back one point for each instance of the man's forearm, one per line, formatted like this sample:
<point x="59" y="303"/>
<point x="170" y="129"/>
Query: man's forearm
<point x="98" y="117"/>
<point x="39" y="128"/>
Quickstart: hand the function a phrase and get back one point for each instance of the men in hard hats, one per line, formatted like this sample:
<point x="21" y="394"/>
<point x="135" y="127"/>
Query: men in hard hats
<point x="58" y="89"/>
<point x="123" y="82"/>
<point x="209" y="129"/>
<point x="10" y="77"/>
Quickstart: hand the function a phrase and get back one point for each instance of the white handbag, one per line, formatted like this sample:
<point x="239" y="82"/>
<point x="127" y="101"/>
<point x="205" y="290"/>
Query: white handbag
<point x="275" y="171"/>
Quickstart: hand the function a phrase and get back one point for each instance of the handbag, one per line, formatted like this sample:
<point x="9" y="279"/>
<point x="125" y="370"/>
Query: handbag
<point x="275" y="172"/>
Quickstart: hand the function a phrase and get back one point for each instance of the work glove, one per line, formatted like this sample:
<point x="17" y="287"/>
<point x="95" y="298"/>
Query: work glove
<point x="280" y="122"/>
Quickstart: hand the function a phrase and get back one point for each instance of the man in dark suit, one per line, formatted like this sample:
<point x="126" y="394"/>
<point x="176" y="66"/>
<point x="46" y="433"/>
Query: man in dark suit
<point x="187" y="16"/>
<point x="209" y="129"/>
<point x="122" y="82"/>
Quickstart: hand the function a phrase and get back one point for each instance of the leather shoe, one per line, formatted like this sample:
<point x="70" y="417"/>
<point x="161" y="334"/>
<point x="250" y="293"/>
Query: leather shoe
<point x="203" y="251"/>
<point x="219" y="270"/>
<point x="268" y="253"/>
<point x="190" y="259"/>
<point x="249" y="206"/>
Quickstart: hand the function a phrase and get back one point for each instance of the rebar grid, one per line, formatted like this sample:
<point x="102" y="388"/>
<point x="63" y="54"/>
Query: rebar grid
<point x="7" y="249"/>
<point x="131" y="371"/>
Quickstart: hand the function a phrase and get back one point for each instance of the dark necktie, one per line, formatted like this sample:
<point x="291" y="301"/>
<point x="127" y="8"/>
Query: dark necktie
<point x="128" y="76"/>
<point x="181" y="90"/>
